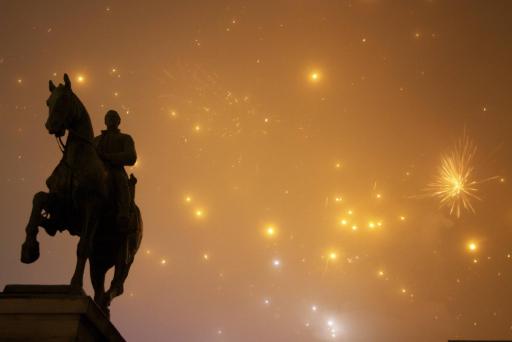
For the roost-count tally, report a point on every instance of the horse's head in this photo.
(60, 106)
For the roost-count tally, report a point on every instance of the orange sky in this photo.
(224, 107)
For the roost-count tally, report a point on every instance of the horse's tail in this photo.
(134, 238)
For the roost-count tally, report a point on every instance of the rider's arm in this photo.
(127, 157)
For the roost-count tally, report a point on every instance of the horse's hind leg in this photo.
(87, 231)
(98, 271)
(30, 248)
(122, 268)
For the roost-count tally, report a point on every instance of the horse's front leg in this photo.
(30, 248)
(87, 230)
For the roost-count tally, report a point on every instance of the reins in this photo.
(62, 145)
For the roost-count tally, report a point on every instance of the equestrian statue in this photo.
(90, 195)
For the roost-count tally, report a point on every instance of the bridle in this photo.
(62, 145)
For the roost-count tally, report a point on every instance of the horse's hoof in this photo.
(106, 311)
(29, 251)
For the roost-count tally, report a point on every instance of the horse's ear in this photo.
(51, 86)
(67, 81)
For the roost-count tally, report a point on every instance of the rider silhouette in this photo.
(117, 150)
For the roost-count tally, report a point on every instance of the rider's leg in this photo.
(123, 198)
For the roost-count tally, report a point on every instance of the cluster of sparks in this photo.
(455, 185)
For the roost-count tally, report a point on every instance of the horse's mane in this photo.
(81, 115)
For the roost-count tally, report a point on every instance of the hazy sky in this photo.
(285, 149)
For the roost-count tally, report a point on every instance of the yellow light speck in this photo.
(472, 246)
(314, 76)
(270, 231)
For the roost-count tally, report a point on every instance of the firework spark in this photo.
(455, 185)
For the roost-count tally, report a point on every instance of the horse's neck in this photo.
(81, 126)
(79, 144)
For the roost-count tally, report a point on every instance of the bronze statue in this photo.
(90, 195)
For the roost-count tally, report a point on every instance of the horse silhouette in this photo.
(80, 201)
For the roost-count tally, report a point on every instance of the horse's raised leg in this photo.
(30, 248)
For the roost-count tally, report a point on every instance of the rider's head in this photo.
(112, 119)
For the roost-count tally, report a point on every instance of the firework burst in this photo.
(455, 185)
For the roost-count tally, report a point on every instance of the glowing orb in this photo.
(314, 76)
(472, 246)
(270, 231)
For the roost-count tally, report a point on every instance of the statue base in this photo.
(52, 313)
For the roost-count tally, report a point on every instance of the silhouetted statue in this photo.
(88, 196)
(117, 150)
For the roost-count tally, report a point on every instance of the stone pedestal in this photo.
(52, 313)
